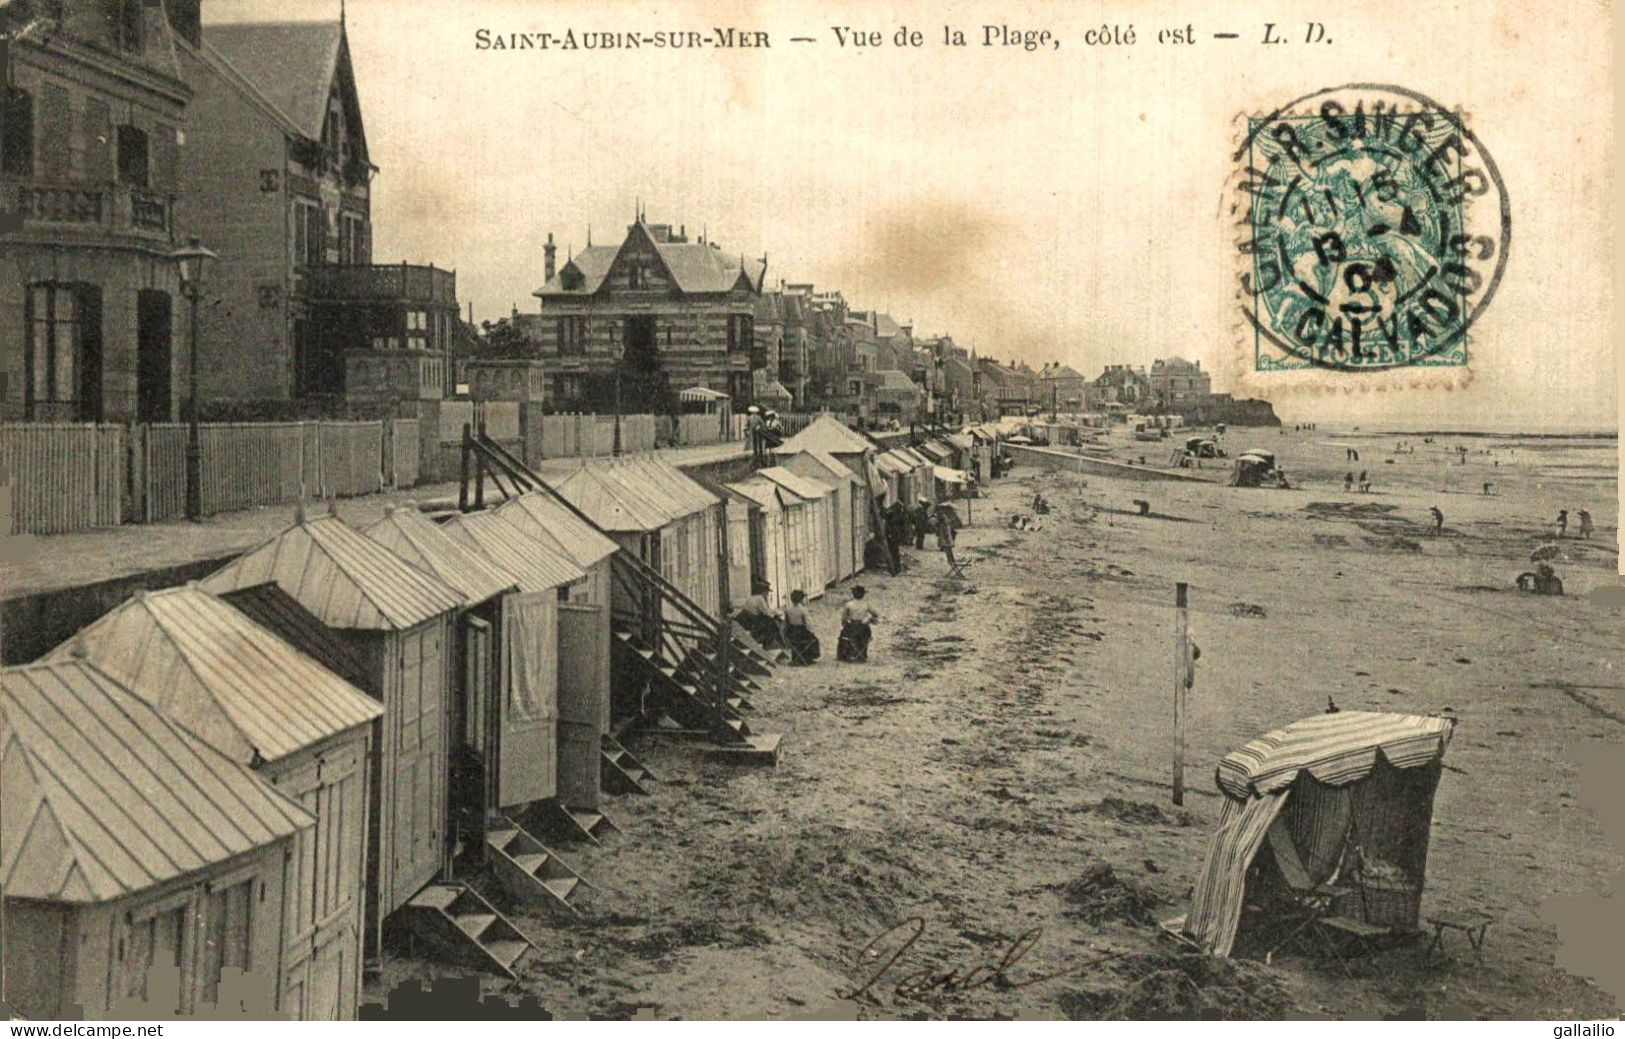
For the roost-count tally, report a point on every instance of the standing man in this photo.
(922, 522)
(753, 433)
(894, 518)
(1562, 522)
(947, 532)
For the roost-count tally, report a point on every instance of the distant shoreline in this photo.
(1594, 435)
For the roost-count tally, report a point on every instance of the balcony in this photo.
(371, 282)
(394, 375)
(91, 207)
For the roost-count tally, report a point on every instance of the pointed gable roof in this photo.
(105, 797)
(292, 65)
(342, 576)
(574, 536)
(827, 433)
(538, 565)
(694, 267)
(422, 542)
(210, 669)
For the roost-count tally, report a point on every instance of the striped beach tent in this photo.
(1347, 793)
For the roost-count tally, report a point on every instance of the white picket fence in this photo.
(63, 476)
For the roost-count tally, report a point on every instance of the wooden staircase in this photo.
(464, 928)
(620, 772)
(700, 671)
(560, 822)
(529, 871)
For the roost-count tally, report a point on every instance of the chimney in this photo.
(550, 253)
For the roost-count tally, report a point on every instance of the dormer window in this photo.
(571, 278)
(125, 22)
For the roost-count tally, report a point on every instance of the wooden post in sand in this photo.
(1181, 673)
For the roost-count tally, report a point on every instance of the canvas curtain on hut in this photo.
(1348, 794)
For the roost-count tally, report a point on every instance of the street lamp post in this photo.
(191, 258)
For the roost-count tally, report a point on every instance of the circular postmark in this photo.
(1376, 231)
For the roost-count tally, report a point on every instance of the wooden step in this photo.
(461, 927)
(529, 870)
(760, 748)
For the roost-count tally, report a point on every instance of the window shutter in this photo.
(165, 154)
(53, 132)
(98, 130)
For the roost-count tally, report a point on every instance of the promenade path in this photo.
(33, 565)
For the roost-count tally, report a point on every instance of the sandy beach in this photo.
(996, 779)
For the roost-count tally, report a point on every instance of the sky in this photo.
(1046, 205)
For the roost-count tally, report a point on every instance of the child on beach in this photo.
(1585, 524)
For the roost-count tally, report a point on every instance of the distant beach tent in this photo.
(1343, 799)
(701, 395)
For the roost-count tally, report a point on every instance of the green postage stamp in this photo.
(1376, 231)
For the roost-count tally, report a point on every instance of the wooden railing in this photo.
(90, 205)
(378, 281)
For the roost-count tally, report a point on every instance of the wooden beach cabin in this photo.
(144, 872)
(768, 533)
(252, 696)
(584, 646)
(820, 527)
(496, 754)
(399, 621)
(548, 775)
(851, 506)
(673, 533)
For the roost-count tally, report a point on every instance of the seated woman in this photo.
(798, 635)
(758, 618)
(856, 618)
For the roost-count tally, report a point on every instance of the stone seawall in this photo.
(1049, 458)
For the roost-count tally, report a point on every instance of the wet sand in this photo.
(1000, 769)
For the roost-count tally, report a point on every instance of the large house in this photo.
(278, 183)
(1177, 383)
(1124, 386)
(1061, 388)
(90, 129)
(682, 310)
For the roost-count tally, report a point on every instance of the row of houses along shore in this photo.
(153, 165)
(363, 740)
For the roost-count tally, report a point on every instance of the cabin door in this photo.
(583, 690)
(418, 816)
(527, 768)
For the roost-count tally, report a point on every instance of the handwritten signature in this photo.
(940, 978)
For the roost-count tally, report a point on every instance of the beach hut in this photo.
(896, 473)
(399, 621)
(819, 532)
(826, 433)
(254, 698)
(851, 505)
(1325, 823)
(648, 511)
(475, 715)
(143, 871)
(584, 648)
(528, 670)
(769, 538)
